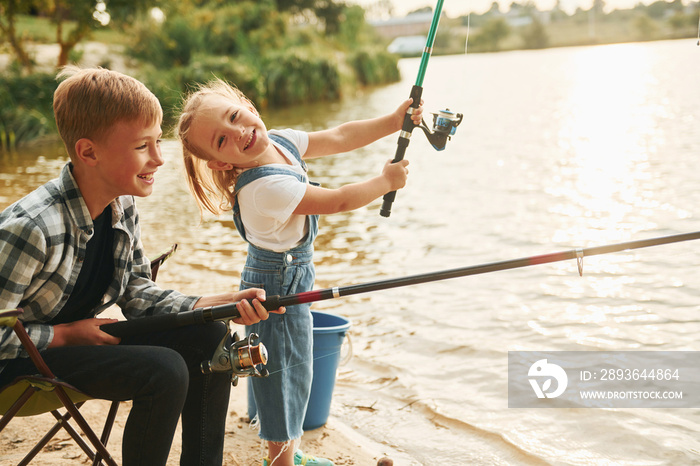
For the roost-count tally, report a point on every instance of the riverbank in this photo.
(335, 440)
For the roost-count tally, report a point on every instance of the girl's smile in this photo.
(231, 134)
(251, 140)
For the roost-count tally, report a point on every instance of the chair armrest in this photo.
(8, 317)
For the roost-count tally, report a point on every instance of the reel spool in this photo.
(242, 358)
(445, 124)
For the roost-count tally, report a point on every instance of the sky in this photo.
(454, 8)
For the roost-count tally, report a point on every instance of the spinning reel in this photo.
(445, 124)
(241, 358)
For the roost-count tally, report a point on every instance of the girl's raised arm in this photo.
(355, 134)
(322, 201)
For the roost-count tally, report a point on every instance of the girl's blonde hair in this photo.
(213, 189)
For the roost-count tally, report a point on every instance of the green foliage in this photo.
(490, 36)
(657, 9)
(535, 36)
(26, 108)
(374, 66)
(353, 28)
(241, 28)
(300, 75)
(274, 59)
(244, 75)
(644, 27)
(172, 43)
(246, 27)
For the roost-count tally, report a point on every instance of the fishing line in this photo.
(466, 41)
(303, 363)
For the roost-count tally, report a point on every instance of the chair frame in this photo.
(63, 391)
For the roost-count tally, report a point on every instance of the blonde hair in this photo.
(89, 101)
(213, 189)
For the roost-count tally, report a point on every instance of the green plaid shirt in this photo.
(42, 243)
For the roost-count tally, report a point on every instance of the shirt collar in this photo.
(76, 203)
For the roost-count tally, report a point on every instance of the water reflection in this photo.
(607, 134)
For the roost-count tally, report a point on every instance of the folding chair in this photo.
(38, 394)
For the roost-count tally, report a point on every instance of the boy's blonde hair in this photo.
(89, 101)
(213, 189)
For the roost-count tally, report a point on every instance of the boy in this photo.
(72, 248)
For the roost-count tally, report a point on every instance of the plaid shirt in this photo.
(42, 244)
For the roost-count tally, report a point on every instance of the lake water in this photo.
(559, 149)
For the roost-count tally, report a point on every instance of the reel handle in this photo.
(404, 139)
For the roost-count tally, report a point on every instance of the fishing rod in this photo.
(445, 122)
(226, 312)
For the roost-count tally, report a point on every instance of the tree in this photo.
(75, 20)
(535, 36)
(330, 13)
(296, 6)
(9, 9)
(645, 27)
(491, 34)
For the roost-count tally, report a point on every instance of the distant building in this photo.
(518, 16)
(407, 45)
(414, 24)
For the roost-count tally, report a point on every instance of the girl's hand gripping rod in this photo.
(416, 94)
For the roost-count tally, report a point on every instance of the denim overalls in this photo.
(283, 396)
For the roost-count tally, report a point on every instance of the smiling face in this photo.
(230, 133)
(122, 162)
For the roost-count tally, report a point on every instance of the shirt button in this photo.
(290, 258)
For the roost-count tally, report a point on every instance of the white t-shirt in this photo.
(267, 204)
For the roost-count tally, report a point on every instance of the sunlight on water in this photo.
(607, 135)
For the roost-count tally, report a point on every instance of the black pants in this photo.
(161, 373)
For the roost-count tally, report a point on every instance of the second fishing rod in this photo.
(445, 122)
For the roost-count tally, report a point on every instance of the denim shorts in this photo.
(280, 399)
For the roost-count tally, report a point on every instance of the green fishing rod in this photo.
(229, 311)
(416, 95)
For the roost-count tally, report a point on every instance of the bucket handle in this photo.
(348, 356)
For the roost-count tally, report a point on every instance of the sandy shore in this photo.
(242, 448)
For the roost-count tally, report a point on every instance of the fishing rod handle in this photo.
(157, 323)
(230, 311)
(150, 324)
(404, 139)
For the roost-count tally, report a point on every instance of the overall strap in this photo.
(287, 144)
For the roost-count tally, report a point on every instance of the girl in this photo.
(233, 162)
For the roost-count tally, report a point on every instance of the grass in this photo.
(43, 31)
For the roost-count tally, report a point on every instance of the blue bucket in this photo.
(329, 331)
